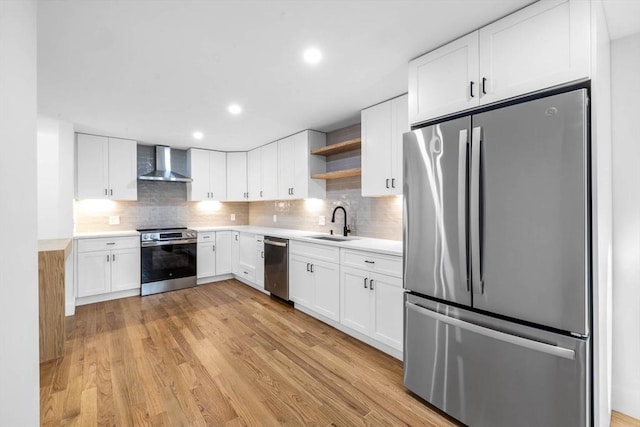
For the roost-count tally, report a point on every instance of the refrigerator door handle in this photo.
(476, 210)
(550, 349)
(463, 154)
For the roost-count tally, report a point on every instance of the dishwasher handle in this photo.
(274, 243)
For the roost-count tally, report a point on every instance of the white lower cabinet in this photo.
(259, 263)
(224, 252)
(106, 265)
(371, 303)
(247, 257)
(235, 252)
(206, 259)
(314, 278)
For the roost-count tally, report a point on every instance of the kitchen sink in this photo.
(334, 238)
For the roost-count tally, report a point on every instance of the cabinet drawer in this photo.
(247, 272)
(102, 243)
(259, 242)
(207, 237)
(378, 263)
(321, 252)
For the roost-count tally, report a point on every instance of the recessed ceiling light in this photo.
(235, 109)
(198, 135)
(312, 55)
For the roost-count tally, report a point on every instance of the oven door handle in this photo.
(168, 242)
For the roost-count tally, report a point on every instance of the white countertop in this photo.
(94, 234)
(389, 247)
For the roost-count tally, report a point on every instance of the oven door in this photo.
(168, 261)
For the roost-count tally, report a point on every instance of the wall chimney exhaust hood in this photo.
(163, 170)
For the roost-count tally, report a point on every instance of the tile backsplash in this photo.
(164, 204)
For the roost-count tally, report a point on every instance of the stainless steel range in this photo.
(168, 259)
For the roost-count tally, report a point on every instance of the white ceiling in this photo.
(155, 71)
(623, 17)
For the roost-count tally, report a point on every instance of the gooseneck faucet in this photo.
(345, 230)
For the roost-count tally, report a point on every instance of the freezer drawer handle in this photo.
(552, 350)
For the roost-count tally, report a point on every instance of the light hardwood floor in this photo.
(221, 354)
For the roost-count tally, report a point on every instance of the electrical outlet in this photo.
(275, 218)
(321, 220)
(233, 217)
(114, 220)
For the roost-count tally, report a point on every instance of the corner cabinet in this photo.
(296, 165)
(543, 45)
(382, 128)
(107, 265)
(262, 172)
(106, 168)
(208, 169)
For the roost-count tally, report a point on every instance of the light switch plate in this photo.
(275, 218)
(114, 220)
(233, 217)
(321, 220)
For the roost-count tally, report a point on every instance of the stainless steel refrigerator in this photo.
(497, 264)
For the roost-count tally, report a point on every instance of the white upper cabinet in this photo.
(106, 168)
(296, 165)
(544, 45)
(237, 177)
(541, 46)
(382, 129)
(445, 80)
(262, 165)
(208, 169)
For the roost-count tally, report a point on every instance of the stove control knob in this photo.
(145, 236)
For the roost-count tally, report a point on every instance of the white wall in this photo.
(625, 71)
(55, 178)
(19, 369)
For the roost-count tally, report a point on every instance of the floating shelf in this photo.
(338, 174)
(341, 147)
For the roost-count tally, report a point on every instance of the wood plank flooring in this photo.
(222, 354)
(219, 354)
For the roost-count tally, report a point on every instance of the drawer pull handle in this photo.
(111, 243)
(369, 262)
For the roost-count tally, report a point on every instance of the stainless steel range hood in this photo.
(163, 170)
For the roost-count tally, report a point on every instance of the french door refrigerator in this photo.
(497, 264)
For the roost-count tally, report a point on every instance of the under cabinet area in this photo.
(106, 168)
(314, 278)
(505, 59)
(107, 266)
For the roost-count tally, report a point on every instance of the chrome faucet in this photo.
(345, 230)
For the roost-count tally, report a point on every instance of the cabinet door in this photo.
(218, 175)
(125, 269)
(301, 286)
(286, 170)
(237, 177)
(445, 80)
(399, 125)
(235, 252)
(254, 174)
(123, 169)
(355, 296)
(260, 267)
(300, 163)
(92, 167)
(269, 160)
(206, 260)
(376, 150)
(387, 309)
(247, 251)
(540, 46)
(224, 252)
(198, 161)
(94, 273)
(326, 279)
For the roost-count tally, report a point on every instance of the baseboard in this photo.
(253, 285)
(213, 279)
(70, 308)
(107, 297)
(625, 400)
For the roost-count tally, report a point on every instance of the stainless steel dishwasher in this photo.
(276, 266)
